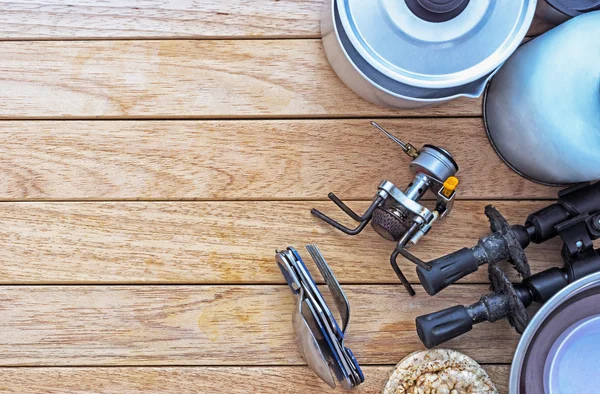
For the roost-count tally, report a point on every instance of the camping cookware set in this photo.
(542, 116)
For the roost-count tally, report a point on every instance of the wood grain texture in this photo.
(182, 79)
(59, 19)
(191, 380)
(85, 19)
(218, 242)
(216, 325)
(247, 160)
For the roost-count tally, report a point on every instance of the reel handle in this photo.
(439, 327)
(447, 270)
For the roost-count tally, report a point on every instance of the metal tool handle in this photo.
(339, 297)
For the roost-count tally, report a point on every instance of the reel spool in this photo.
(397, 215)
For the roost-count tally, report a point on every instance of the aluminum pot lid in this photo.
(436, 43)
(575, 7)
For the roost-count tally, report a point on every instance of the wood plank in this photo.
(216, 325)
(182, 79)
(250, 160)
(192, 380)
(217, 242)
(59, 19)
(87, 19)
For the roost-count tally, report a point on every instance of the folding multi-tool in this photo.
(317, 333)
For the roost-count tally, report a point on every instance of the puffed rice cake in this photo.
(439, 371)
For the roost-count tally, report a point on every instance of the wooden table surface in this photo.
(154, 155)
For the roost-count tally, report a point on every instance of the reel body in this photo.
(398, 215)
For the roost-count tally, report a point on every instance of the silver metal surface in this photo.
(573, 362)
(308, 345)
(418, 187)
(421, 214)
(339, 297)
(434, 163)
(542, 109)
(568, 325)
(319, 337)
(390, 57)
(411, 50)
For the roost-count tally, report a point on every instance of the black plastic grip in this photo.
(447, 270)
(439, 327)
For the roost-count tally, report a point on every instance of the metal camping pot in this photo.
(559, 11)
(559, 352)
(414, 53)
(542, 109)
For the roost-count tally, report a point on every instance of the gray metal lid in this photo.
(406, 47)
(575, 7)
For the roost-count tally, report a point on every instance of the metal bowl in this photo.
(559, 352)
(542, 109)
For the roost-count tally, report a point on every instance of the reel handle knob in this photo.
(447, 270)
(439, 327)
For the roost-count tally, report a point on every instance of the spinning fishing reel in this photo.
(398, 216)
(577, 228)
(574, 217)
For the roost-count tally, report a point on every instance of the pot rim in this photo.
(461, 78)
(336, 30)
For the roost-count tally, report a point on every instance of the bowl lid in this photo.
(435, 43)
(575, 7)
